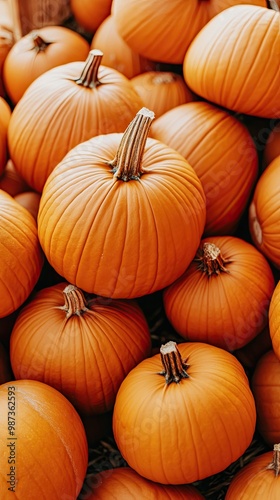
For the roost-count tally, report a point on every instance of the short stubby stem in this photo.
(75, 302)
(210, 259)
(174, 368)
(275, 464)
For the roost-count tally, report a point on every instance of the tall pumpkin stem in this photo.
(89, 76)
(274, 5)
(127, 163)
(75, 302)
(39, 44)
(174, 368)
(275, 464)
(210, 259)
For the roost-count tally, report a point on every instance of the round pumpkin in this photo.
(224, 295)
(124, 483)
(21, 255)
(264, 213)
(274, 320)
(228, 58)
(29, 200)
(63, 107)
(223, 154)
(122, 215)
(91, 345)
(184, 414)
(5, 115)
(7, 39)
(41, 456)
(89, 14)
(37, 52)
(11, 181)
(272, 146)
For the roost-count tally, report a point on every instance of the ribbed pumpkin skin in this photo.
(64, 114)
(221, 151)
(255, 482)
(274, 320)
(121, 239)
(226, 309)
(85, 357)
(5, 115)
(264, 213)
(229, 57)
(20, 254)
(167, 433)
(123, 483)
(51, 447)
(162, 31)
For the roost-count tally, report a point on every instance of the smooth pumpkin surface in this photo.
(11, 181)
(29, 200)
(166, 427)
(274, 320)
(90, 13)
(50, 459)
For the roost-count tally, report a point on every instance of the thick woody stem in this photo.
(174, 368)
(275, 464)
(75, 302)
(89, 76)
(127, 163)
(210, 259)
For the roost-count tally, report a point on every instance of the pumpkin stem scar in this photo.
(75, 302)
(39, 44)
(89, 75)
(173, 364)
(210, 259)
(275, 464)
(127, 163)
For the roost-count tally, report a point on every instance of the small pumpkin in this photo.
(122, 215)
(11, 181)
(159, 419)
(274, 320)
(29, 200)
(89, 14)
(44, 452)
(224, 295)
(38, 51)
(5, 115)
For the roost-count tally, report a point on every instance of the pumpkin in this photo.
(11, 181)
(21, 255)
(274, 320)
(264, 213)
(161, 90)
(37, 52)
(41, 456)
(89, 14)
(5, 366)
(221, 151)
(228, 58)
(30, 200)
(5, 115)
(124, 483)
(7, 37)
(91, 345)
(266, 390)
(258, 479)
(184, 414)
(223, 297)
(122, 215)
(63, 107)
(272, 146)
(162, 31)
(117, 54)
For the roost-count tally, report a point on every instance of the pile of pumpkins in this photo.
(141, 163)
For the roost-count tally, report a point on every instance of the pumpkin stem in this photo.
(127, 163)
(210, 259)
(174, 368)
(75, 302)
(275, 464)
(39, 44)
(273, 4)
(89, 76)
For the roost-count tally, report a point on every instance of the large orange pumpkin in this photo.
(228, 58)
(44, 452)
(274, 320)
(121, 216)
(184, 414)
(63, 107)
(89, 14)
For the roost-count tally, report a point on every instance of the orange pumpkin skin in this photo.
(29, 200)
(228, 308)
(5, 115)
(250, 30)
(162, 31)
(90, 347)
(272, 146)
(66, 112)
(124, 483)
(221, 151)
(37, 52)
(123, 229)
(20, 254)
(255, 480)
(90, 13)
(274, 320)
(264, 213)
(11, 182)
(51, 460)
(161, 429)
(266, 390)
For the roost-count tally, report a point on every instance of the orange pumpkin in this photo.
(274, 320)
(38, 51)
(228, 58)
(159, 419)
(103, 339)
(29, 200)
(223, 297)
(64, 107)
(44, 452)
(221, 151)
(123, 483)
(7, 37)
(89, 14)
(11, 181)
(121, 216)
(5, 115)
(21, 255)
